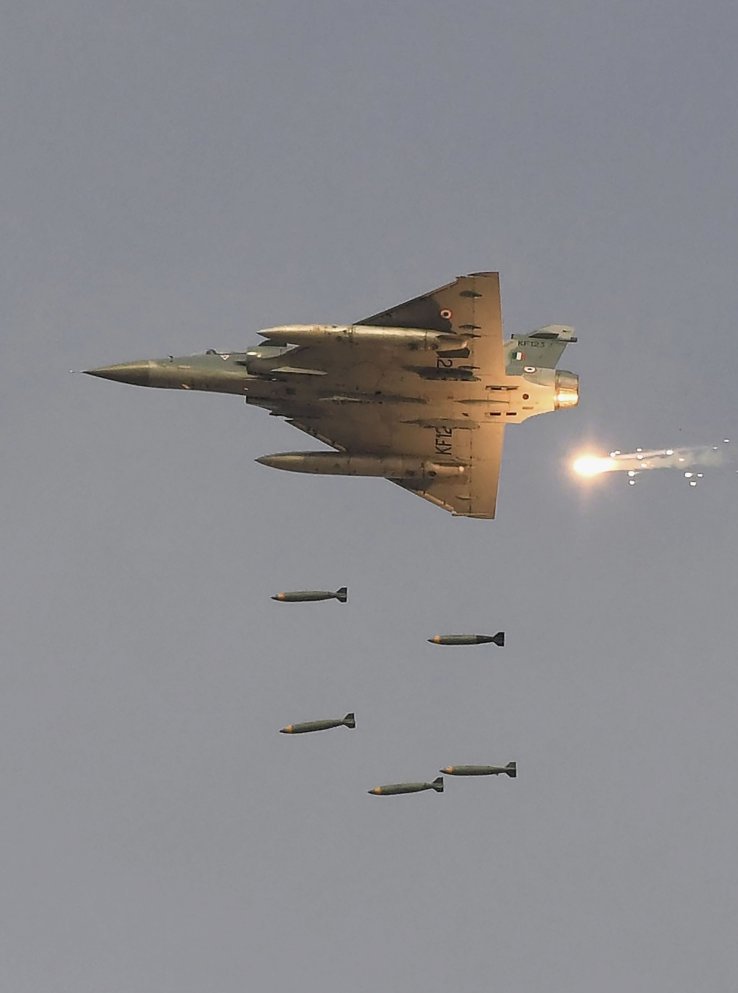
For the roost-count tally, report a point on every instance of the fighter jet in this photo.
(419, 394)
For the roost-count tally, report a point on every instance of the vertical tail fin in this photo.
(512, 769)
(350, 721)
(541, 348)
(437, 784)
(342, 594)
(499, 638)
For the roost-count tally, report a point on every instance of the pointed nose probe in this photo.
(135, 373)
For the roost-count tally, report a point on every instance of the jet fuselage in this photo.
(268, 375)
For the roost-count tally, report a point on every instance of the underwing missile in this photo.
(343, 464)
(303, 596)
(468, 639)
(349, 721)
(415, 339)
(392, 789)
(510, 770)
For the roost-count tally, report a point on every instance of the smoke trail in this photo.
(687, 459)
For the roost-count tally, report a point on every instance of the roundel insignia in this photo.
(529, 368)
(447, 314)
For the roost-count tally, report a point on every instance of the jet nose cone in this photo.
(136, 373)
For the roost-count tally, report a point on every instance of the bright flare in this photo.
(642, 460)
(592, 465)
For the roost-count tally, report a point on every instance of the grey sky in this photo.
(177, 175)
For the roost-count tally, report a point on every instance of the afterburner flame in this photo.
(592, 465)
